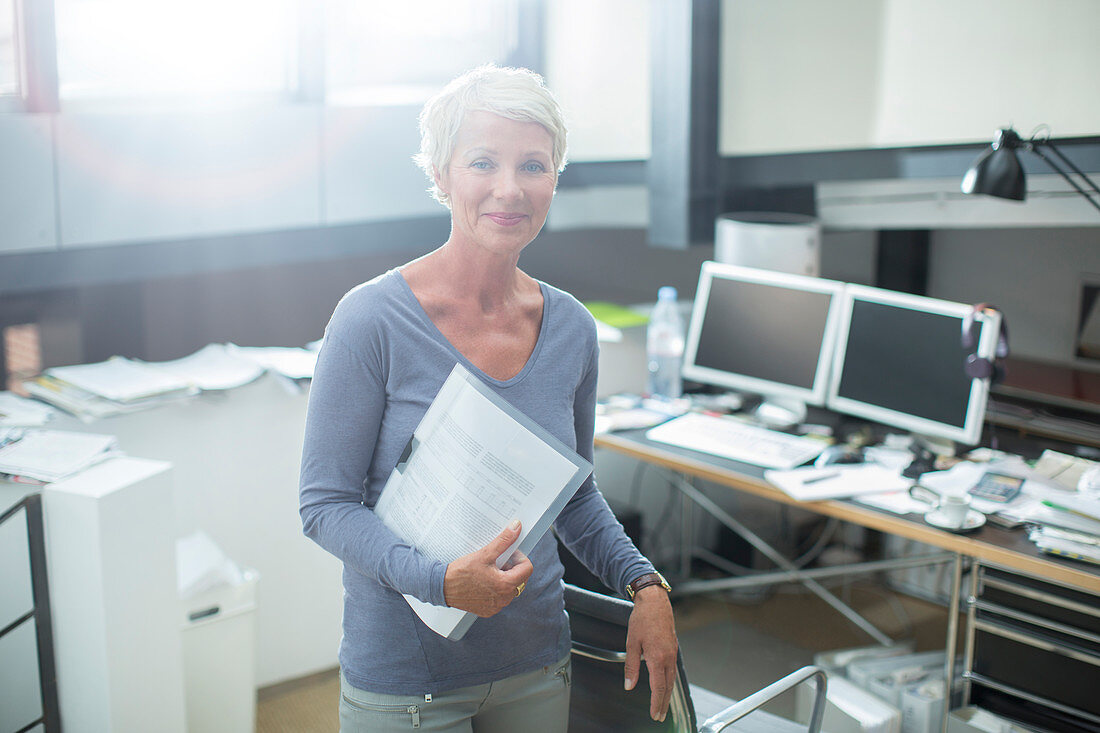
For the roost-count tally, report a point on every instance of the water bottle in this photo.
(665, 346)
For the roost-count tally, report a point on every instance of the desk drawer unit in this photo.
(1033, 651)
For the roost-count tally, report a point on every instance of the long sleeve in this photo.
(346, 405)
(587, 525)
(382, 363)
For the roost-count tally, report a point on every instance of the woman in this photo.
(493, 144)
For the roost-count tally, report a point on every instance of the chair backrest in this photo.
(599, 702)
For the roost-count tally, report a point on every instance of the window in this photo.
(405, 51)
(118, 49)
(9, 74)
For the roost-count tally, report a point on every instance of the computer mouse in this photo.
(838, 454)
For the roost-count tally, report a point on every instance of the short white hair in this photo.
(516, 94)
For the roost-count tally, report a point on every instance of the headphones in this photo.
(978, 367)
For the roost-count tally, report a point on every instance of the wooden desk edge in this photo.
(863, 516)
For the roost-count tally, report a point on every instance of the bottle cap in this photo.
(666, 293)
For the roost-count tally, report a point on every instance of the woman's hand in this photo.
(651, 635)
(475, 584)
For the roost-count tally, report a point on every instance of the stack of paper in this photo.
(121, 380)
(10, 435)
(837, 481)
(1046, 514)
(44, 456)
(849, 708)
(1068, 525)
(74, 400)
(1067, 543)
(213, 367)
(290, 362)
(1085, 506)
(1062, 468)
(16, 411)
(110, 387)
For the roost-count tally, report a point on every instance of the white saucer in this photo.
(974, 519)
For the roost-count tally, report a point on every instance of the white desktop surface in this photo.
(235, 456)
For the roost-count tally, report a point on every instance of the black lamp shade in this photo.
(997, 172)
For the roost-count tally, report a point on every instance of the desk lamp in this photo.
(997, 171)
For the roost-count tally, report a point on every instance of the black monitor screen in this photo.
(763, 331)
(908, 361)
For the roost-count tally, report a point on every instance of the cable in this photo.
(635, 483)
(828, 530)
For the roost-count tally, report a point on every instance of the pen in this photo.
(1069, 510)
(822, 477)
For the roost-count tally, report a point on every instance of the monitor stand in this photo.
(780, 412)
(938, 446)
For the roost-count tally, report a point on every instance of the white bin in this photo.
(770, 241)
(219, 657)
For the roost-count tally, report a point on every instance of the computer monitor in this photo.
(900, 360)
(763, 332)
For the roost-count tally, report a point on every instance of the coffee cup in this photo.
(954, 508)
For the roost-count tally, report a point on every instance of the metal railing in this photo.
(50, 719)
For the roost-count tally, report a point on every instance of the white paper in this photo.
(1067, 548)
(958, 479)
(16, 411)
(607, 334)
(1085, 504)
(212, 367)
(202, 566)
(476, 464)
(1042, 514)
(1062, 468)
(836, 481)
(87, 406)
(291, 362)
(119, 379)
(50, 455)
(893, 458)
(898, 502)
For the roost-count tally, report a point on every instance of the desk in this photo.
(235, 458)
(1006, 548)
(991, 545)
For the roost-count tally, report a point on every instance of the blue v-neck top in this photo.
(381, 363)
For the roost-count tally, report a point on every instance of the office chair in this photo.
(600, 705)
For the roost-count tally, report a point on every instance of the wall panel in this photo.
(140, 177)
(28, 208)
(369, 173)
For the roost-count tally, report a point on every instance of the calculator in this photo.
(997, 487)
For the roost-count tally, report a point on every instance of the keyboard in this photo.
(726, 438)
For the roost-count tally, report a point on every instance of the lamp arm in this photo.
(1036, 147)
(1068, 162)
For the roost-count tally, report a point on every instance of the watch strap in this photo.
(644, 581)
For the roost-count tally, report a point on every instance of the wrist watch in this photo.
(644, 581)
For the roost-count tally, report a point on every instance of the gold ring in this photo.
(520, 587)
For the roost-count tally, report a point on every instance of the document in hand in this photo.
(473, 465)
